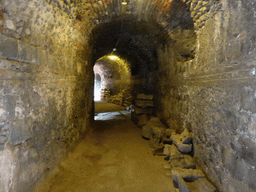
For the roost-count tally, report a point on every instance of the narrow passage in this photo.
(112, 157)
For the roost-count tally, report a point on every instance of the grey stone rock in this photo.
(187, 140)
(8, 47)
(1, 147)
(186, 137)
(182, 185)
(177, 140)
(10, 25)
(19, 132)
(3, 139)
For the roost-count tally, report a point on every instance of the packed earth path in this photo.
(112, 157)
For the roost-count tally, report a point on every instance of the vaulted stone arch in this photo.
(198, 55)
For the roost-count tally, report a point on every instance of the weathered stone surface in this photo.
(19, 132)
(143, 120)
(177, 140)
(145, 97)
(183, 161)
(10, 25)
(8, 47)
(171, 150)
(154, 127)
(144, 103)
(182, 185)
(146, 131)
(139, 111)
(154, 141)
(186, 137)
(189, 174)
(169, 132)
(172, 124)
(201, 185)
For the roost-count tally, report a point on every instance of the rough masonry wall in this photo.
(45, 88)
(214, 95)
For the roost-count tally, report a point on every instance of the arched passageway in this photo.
(195, 57)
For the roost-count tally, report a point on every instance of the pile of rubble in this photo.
(178, 149)
(123, 98)
(143, 109)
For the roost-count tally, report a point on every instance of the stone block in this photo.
(201, 185)
(177, 161)
(146, 131)
(186, 137)
(19, 131)
(167, 150)
(182, 185)
(157, 132)
(171, 150)
(8, 47)
(187, 174)
(27, 52)
(145, 97)
(183, 161)
(143, 120)
(139, 111)
(177, 140)
(144, 103)
(154, 127)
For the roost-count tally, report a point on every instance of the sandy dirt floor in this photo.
(112, 157)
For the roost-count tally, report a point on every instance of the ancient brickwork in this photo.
(214, 94)
(46, 88)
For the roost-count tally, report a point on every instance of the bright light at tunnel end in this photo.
(113, 57)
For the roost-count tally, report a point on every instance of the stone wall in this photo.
(46, 89)
(214, 94)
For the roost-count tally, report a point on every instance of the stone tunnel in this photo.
(197, 57)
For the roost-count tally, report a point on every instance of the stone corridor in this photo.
(196, 58)
(113, 157)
